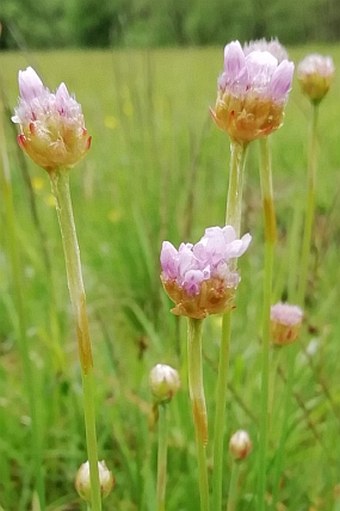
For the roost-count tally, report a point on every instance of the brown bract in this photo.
(284, 334)
(214, 298)
(51, 151)
(246, 119)
(315, 86)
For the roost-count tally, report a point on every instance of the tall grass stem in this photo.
(61, 191)
(18, 286)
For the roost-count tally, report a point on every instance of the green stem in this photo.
(233, 486)
(233, 217)
(238, 153)
(61, 190)
(270, 239)
(196, 390)
(17, 280)
(286, 404)
(310, 205)
(220, 412)
(162, 456)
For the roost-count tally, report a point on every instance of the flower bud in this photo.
(240, 445)
(315, 74)
(52, 126)
(83, 482)
(164, 382)
(286, 322)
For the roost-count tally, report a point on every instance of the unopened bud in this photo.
(83, 482)
(315, 74)
(240, 445)
(286, 322)
(164, 382)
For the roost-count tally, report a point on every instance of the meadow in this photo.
(158, 170)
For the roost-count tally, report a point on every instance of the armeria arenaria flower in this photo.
(315, 74)
(198, 278)
(286, 322)
(52, 127)
(252, 92)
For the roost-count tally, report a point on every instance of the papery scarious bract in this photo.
(198, 278)
(286, 322)
(315, 74)
(52, 127)
(252, 92)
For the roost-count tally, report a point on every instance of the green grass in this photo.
(157, 170)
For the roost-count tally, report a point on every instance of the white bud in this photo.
(240, 445)
(164, 382)
(83, 482)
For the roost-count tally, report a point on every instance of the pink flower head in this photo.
(52, 125)
(199, 278)
(315, 74)
(286, 321)
(252, 92)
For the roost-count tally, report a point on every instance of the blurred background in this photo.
(146, 23)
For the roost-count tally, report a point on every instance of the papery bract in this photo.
(52, 127)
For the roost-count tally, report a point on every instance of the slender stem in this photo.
(162, 456)
(275, 359)
(17, 281)
(220, 412)
(233, 217)
(310, 205)
(61, 191)
(233, 486)
(196, 390)
(270, 239)
(238, 153)
(286, 405)
(300, 296)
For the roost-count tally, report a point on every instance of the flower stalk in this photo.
(233, 493)
(270, 240)
(199, 412)
(233, 218)
(310, 206)
(61, 191)
(162, 455)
